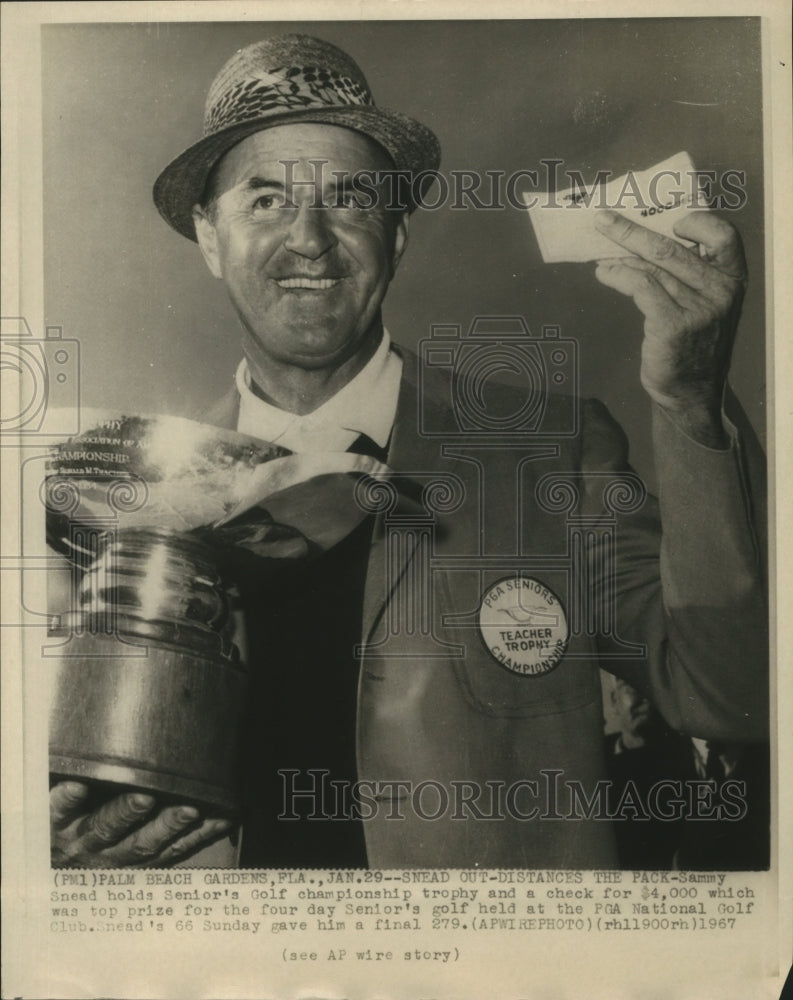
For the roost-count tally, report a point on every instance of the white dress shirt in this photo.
(365, 405)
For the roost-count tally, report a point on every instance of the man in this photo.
(742, 841)
(637, 720)
(500, 694)
(642, 757)
(650, 767)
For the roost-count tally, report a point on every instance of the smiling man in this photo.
(305, 267)
(460, 703)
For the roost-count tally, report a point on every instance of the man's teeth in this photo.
(314, 283)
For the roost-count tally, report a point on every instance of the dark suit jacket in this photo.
(679, 611)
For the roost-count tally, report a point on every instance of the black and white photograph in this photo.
(387, 439)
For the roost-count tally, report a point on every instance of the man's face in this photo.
(634, 712)
(306, 281)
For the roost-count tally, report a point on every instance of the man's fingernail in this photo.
(221, 825)
(187, 813)
(76, 790)
(605, 217)
(141, 802)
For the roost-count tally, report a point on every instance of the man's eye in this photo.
(268, 201)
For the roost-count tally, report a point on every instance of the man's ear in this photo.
(400, 241)
(207, 239)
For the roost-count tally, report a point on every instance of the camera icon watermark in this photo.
(471, 371)
(40, 382)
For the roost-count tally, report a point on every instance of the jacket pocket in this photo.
(522, 669)
(495, 690)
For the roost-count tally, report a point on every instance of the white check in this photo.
(657, 198)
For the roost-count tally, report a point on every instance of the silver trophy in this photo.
(153, 514)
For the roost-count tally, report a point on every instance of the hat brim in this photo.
(412, 147)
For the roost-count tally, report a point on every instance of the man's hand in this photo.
(127, 831)
(691, 304)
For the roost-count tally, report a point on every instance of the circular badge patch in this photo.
(523, 625)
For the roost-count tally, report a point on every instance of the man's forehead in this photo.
(271, 154)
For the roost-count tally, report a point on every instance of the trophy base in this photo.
(149, 717)
(141, 779)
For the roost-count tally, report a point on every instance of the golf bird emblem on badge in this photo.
(523, 625)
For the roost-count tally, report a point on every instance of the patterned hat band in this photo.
(292, 88)
(283, 80)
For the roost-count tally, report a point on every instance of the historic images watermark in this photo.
(41, 377)
(310, 795)
(498, 190)
(40, 406)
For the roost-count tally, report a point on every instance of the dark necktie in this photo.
(364, 445)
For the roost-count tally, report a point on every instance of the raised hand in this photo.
(691, 302)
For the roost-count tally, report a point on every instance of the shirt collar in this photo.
(365, 405)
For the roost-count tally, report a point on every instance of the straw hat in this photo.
(279, 81)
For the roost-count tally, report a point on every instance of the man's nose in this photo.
(310, 233)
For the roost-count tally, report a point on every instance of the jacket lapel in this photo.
(411, 453)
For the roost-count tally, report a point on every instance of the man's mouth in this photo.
(311, 284)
